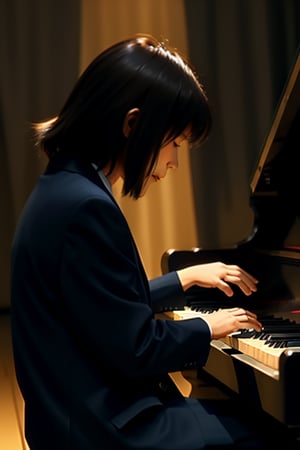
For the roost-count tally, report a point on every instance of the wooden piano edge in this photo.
(271, 364)
(275, 391)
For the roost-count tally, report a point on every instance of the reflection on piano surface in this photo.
(263, 368)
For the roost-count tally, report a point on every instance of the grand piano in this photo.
(262, 368)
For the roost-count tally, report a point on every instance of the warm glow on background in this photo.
(164, 218)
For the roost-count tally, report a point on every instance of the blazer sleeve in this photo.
(107, 302)
(166, 293)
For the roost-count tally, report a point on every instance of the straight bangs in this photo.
(190, 114)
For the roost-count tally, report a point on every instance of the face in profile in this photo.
(167, 159)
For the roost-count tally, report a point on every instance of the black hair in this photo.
(142, 73)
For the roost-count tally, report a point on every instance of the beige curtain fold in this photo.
(242, 59)
(164, 218)
(39, 63)
(246, 49)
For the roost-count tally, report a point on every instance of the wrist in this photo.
(186, 277)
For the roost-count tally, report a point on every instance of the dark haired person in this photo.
(91, 357)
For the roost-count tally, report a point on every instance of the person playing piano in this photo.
(92, 358)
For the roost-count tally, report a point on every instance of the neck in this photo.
(115, 175)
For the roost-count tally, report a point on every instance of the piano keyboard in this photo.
(278, 336)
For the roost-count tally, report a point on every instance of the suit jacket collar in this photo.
(84, 168)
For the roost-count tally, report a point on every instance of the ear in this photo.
(129, 121)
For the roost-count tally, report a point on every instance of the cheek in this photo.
(165, 155)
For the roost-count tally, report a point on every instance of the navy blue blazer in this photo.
(91, 360)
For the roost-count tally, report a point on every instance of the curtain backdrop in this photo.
(245, 50)
(39, 42)
(242, 49)
(165, 217)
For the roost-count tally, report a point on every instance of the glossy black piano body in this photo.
(272, 254)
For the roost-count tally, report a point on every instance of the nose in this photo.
(173, 162)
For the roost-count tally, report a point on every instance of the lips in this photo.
(155, 177)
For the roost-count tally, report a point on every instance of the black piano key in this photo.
(283, 328)
(282, 336)
(293, 343)
(272, 321)
(281, 340)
